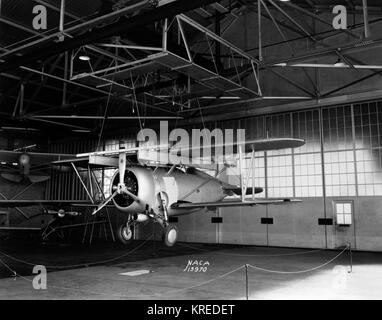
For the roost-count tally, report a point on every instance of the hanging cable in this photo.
(136, 101)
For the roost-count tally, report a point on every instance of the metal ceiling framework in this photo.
(162, 64)
(169, 59)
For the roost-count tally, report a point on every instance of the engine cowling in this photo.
(140, 182)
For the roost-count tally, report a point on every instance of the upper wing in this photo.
(220, 152)
(231, 203)
(249, 145)
(29, 203)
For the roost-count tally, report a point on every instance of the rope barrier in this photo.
(302, 271)
(85, 264)
(253, 255)
(59, 287)
(125, 296)
(187, 288)
(9, 268)
(212, 280)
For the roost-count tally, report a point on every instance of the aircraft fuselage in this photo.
(148, 183)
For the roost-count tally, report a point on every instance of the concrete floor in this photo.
(167, 279)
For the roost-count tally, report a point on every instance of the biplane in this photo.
(146, 189)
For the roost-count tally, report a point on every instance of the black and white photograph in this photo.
(195, 156)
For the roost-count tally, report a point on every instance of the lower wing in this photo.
(232, 203)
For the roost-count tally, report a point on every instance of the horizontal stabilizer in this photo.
(237, 190)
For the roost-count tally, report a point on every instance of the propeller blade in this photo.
(37, 179)
(102, 205)
(12, 177)
(132, 195)
(122, 167)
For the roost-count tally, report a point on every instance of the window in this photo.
(340, 174)
(307, 159)
(344, 212)
(368, 126)
(308, 175)
(279, 162)
(280, 176)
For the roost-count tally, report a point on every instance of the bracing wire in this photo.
(105, 115)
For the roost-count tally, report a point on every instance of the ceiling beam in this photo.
(96, 34)
(318, 18)
(317, 54)
(83, 27)
(281, 23)
(252, 111)
(309, 2)
(291, 19)
(91, 117)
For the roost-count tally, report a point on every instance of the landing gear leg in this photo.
(170, 232)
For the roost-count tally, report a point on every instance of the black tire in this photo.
(170, 235)
(125, 234)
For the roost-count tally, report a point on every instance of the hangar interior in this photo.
(104, 69)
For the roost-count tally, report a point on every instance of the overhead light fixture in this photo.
(330, 65)
(19, 129)
(221, 98)
(84, 58)
(339, 63)
(81, 131)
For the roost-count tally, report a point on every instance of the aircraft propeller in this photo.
(121, 187)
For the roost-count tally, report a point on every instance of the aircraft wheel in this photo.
(125, 234)
(170, 235)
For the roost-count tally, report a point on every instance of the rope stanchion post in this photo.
(246, 282)
(350, 258)
(154, 236)
(14, 273)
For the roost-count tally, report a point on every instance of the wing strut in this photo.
(83, 183)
